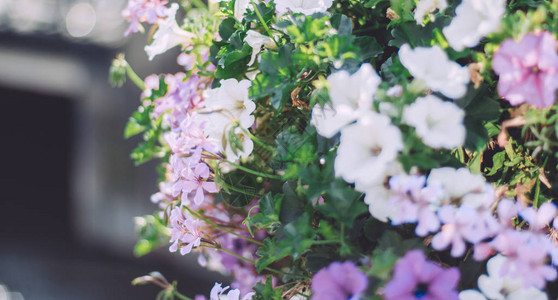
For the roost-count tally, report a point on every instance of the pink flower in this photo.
(138, 11)
(416, 278)
(184, 231)
(413, 202)
(460, 225)
(539, 219)
(196, 178)
(528, 69)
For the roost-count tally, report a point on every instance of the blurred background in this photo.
(69, 191)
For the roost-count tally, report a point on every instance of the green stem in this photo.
(199, 4)
(180, 296)
(257, 11)
(230, 187)
(247, 170)
(324, 242)
(257, 141)
(134, 77)
(206, 220)
(253, 262)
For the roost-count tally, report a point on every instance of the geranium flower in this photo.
(218, 293)
(415, 278)
(539, 219)
(339, 281)
(438, 123)
(138, 11)
(195, 178)
(528, 70)
(425, 7)
(432, 66)
(351, 96)
(168, 35)
(184, 230)
(303, 6)
(473, 20)
(366, 150)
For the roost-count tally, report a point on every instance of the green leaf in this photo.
(269, 253)
(342, 203)
(267, 291)
(226, 28)
(497, 162)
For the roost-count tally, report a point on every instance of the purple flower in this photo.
(339, 281)
(184, 232)
(138, 11)
(528, 69)
(416, 278)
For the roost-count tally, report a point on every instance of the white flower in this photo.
(438, 123)
(351, 96)
(377, 197)
(473, 20)
(425, 7)
(366, 150)
(496, 287)
(231, 109)
(256, 40)
(460, 183)
(218, 293)
(168, 35)
(433, 67)
(306, 7)
(240, 7)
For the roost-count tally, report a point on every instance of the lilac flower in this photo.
(416, 278)
(414, 202)
(196, 178)
(190, 136)
(460, 225)
(339, 281)
(184, 231)
(539, 219)
(138, 11)
(218, 293)
(528, 70)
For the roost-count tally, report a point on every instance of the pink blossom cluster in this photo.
(468, 218)
(139, 11)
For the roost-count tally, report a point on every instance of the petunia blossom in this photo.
(438, 123)
(339, 281)
(474, 19)
(306, 7)
(415, 278)
(351, 96)
(425, 7)
(168, 35)
(432, 67)
(366, 150)
(256, 40)
(528, 70)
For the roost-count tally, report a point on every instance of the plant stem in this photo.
(253, 262)
(199, 4)
(203, 218)
(180, 296)
(257, 11)
(247, 170)
(230, 187)
(134, 77)
(257, 141)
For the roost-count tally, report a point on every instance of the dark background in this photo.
(68, 190)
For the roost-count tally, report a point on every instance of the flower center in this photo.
(376, 150)
(535, 70)
(421, 290)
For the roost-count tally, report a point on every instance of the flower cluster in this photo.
(354, 149)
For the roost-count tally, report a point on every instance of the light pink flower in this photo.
(528, 69)
(138, 11)
(539, 219)
(184, 231)
(196, 178)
